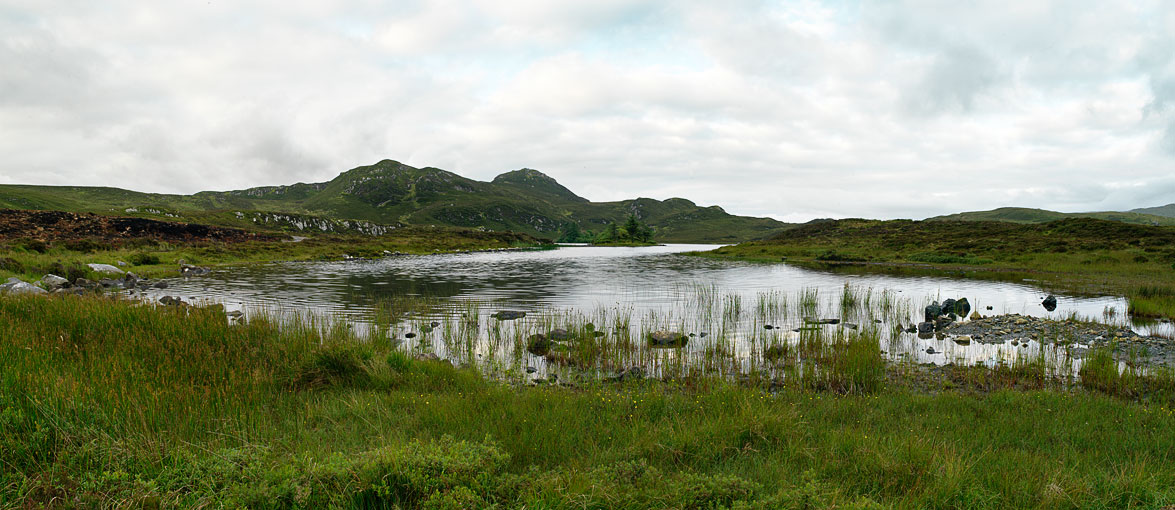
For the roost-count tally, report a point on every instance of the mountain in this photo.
(1026, 215)
(1163, 210)
(390, 193)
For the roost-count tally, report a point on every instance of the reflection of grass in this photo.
(1077, 254)
(107, 403)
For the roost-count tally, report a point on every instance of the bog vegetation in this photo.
(109, 403)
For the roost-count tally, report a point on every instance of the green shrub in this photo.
(333, 364)
(85, 246)
(144, 259)
(36, 245)
(11, 265)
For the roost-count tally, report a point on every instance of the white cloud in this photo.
(904, 108)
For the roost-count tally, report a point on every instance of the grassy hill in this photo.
(393, 193)
(1027, 215)
(1163, 210)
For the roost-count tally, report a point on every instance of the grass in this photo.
(31, 259)
(1080, 255)
(108, 403)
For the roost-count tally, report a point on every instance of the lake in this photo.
(641, 288)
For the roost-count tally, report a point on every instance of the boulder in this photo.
(105, 269)
(189, 270)
(538, 344)
(84, 283)
(665, 338)
(508, 315)
(53, 282)
(963, 340)
(1049, 303)
(171, 301)
(932, 311)
(962, 307)
(976, 317)
(18, 287)
(160, 285)
(948, 306)
(926, 327)
(559, 334)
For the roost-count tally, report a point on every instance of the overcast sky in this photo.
(795, 110)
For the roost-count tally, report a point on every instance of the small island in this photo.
(632, 233)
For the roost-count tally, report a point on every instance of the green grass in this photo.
(111, 404)
(147, 257)
(1079, 255)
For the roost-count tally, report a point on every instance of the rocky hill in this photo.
(390, 193)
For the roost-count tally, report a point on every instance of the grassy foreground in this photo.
(110, 404)
(31, 259)
(1076, 255)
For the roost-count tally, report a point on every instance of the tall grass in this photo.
(112, 404)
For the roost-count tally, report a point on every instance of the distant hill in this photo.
(392, 193)
(1027, 215)
(1163, 210)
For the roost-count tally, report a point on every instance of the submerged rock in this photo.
(559, 334)
(775, 352)
(538, 344)
(508, 315)
(667, 339)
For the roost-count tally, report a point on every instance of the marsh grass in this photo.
(108, 403)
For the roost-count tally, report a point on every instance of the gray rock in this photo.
(559, 334)
(926, 327)
(53, 282)
(160, 285)
(171, 301)
(18, 287)
(105, 269)
(84, 283)
(1049, 303)
(189, 270)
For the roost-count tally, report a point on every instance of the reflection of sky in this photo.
(587, 277)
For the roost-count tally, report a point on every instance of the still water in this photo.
(646, 281)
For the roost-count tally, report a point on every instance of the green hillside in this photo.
(1027, 215)
(393, 193)
(1163, 210)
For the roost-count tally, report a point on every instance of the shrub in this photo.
(11, 265)
(333, 364)
(36, 245)
(144, 259)
(85, 246)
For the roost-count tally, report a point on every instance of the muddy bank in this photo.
(51, 226)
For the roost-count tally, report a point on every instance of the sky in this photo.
(793, 110)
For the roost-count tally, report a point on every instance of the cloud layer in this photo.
(796, 110)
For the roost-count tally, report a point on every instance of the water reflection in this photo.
(656, 280)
